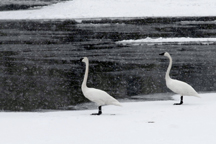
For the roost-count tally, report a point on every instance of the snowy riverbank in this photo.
(136, 122)
(78, 9)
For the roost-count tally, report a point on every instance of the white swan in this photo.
(177, 86)
(100, 97)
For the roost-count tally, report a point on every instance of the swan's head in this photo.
(165, 54)
(84, 59)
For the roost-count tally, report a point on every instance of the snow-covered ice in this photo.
(158, 122)
(78, 9)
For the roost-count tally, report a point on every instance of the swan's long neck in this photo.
(169, 68)
(85, 76)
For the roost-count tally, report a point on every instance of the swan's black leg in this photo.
(99, 111)
(181, 101)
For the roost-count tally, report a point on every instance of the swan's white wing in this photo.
(100, 97)
(181, 88)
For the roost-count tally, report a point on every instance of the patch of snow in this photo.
(161, 40)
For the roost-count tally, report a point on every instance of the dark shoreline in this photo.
(14, 7)
(25, 5)
(130, 20)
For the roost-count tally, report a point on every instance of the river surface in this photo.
(40, 67)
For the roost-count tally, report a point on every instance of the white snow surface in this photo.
(178, 40)
(157, 122)
(78, 9)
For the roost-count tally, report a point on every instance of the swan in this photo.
(177, 86)
(98, 96)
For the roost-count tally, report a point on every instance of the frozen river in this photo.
(40, 68)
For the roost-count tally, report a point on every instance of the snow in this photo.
(79, 9)
(180, 40)
(155, 122)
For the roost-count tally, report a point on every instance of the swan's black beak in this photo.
(161, 54)
(81, 59)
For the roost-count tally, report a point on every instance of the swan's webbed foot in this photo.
(178, 103)
(99, 111)
(181, 102)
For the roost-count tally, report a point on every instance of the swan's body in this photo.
(98, 96)
(181, 87)
(177, 86)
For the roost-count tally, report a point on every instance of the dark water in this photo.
(40, 68)
(23, 4)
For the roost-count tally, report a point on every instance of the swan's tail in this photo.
(116, 103)
(197, 96)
